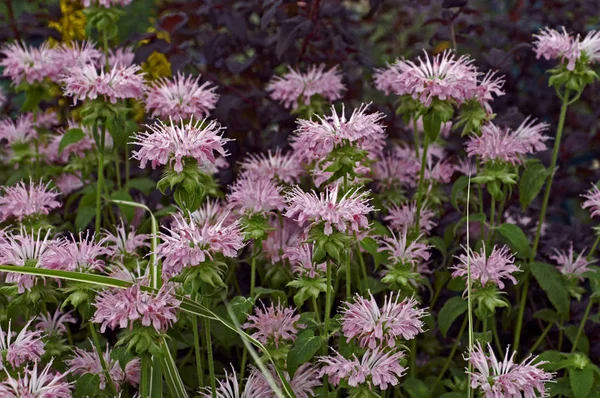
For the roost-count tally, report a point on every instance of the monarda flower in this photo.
(295, 87)
(80, 255)
(54, 324)
(300, 257)
(27, 64)
(552, 44)
(393, 171)
(106, 3)
(570, 265)
(34, 384)
(67, 183)
(276, 166)
(88, 362)
(506, 378)
(182, 97)
(375, 368)
(592, 202)
(402, 252)
(375, 327)
(20, 131)
(123, 307)
(125, 242)
(69, 55)
(77, 149)
(121, 56)
(346, 213)
(24, 201)
(275, 324)
(256, 195)
(387, 79)
(404, 217)
(493, 269)
(174, 143)
(255, 386)
(20, 348)
(283, 236)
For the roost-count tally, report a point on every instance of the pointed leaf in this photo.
(451, 310)
(305, 347)
(551, 281)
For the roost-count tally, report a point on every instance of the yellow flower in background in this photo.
(156, 66)
(71, 24)
(160, 34)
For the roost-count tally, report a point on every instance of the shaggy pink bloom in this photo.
(2, 98)
(506, 378)
(54, 324)
(402, 252)
(376, 368)
(346, 213)
(404, 217)
(33, 65)
(375, 327)
(592, 201)
(85, 82)
(300, 257)
(168, 144)
(590, 45)
(256, 386)
(284, 167)
(499, 265)
(551, 44)
(387, 80)
(20, 348)
(440, 171)
(571, 266)
(77, 149)
(67, 183)
(393, 171)
(486, 88)
(465, 167)
(69, 55)
(256, 195)
(530, 135)
(182, 97)
(125, 242)
(305, 380)
(211, 212)
(82, 255)
(105, 3)
(121, 56)
(122, 307)
(21, 130)
(496, 144)
(295, 87)
(36, 384)
(84, 362)
(133, 372)
(274, 324)
(280, 238)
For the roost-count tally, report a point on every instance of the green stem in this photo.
(199, 368)
(540, 339)
(117, 169)
(348, 275)
(209, 352)
(582, 324)
(469, 295)
(316, 308)
(492, 221)
(594, 247)
(145, 377)
(452, 353)
(127, 165)
(99, 183)
(416, 135)
(363, 266)
(413, 358)
(328, 300)
(524, 294)
(495, 334)
(96, 342)
(258, 244)
(560, 333)
(420, 188)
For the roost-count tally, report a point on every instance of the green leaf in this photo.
(84, 217)
(582, 381)
(305, 347)
(459, 186)
(517, 240)
(71, 136)
(416, 388)
(453, 394)
(551, 281)
(87, 385)
(144, 185)
(531, 182)
(172, 376)
(583, 344)
(451, 310)
(547, 315)
(432, 124)
(276, 295)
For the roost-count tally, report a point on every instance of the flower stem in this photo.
(96, 342)
(328, 300)
(363, 267)
(524, 293)
(594, 247)
(99, 183)
(348, 274)
(495, 334)
(540, 339)
(452, 352)
(416, 137)
(209, 352)
(420, 188)
(582, 324)
(258, 243)
(316, 308)
(413, 358)
(199, 368)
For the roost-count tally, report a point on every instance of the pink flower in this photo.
(54, 324)
(570, 266)
(300, 257)
(21, 201)
(256, 195)
(295, 87)
(530, 135)
(125, 242)
(283, 236)
(84, 362)
(404, 217)
(375, 327)
(284, 167)
(211, 212)
(486, 88)
(551, 44)
(499, 265)
(27, 64)
(376, 368)
(592, 201)
(123, 307)
(23, 130)
(506, 378)
(168, 144)
(77, 149)
(67, 183)
(402, 252)
(81, 255)
(36, 385)
(393, 171)
(305, 380)
(106, 3)
(121, 56)
(274, 324)
(25, 347)
(346, 213)
(84, 82)
(256, 386)
(74, 54)
(183, 97)
(440, 171)
(387, 80)
(133, 372)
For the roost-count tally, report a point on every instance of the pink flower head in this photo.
(295, 87)
(387, 80)
(274, 324)
(486, 88)
(300, 257)
(346, 213)
(402, 252)
(284, 167)
(67, 183)
(168, 144)
(442, 76)
(283, 236)
(121, 56)
(36, 384)
(530, 135)
(77, 149)
(376, 368)
(506, 378)
(21, 348)
(82, 255)
(125, 242)
(376, 327)
(256, 386)
(183, 97)
(84, 362)
(133, 372)
(123, 307)
(592, 201)
(440, 171)
(26, 64)
(19, 131)
(54, 324)
(211, 212)
(395, 171)
(69, 55)
(256, 195)
(404, 217)
(499, 265)
(22, 201)
(571, 266)
(552, 44)
(83, 82)
(106, 3)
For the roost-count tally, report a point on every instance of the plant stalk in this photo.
(420, 188)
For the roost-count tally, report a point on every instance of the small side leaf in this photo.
(517, 240)
(531, 182)
(582, 381)
(451, 310)
(71, 136)
(305, 347)
(550, 280)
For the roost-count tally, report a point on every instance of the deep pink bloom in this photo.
(346, 213)
(300, 257)
(182, 97)
(121, 56)
(22, 201)
(499, 265)
(404, 217)
(125, 242)
(27, 64)
(36, 384)
(82, 255)
(122, 307)
(84, 362)
(592, 201)
(21, 130)
(54, 324)
(275, 324)
(106, 3)
(284, 167)
(295, 87)
(256, 195)
(171, 144)
(376, 368)
(571, 266)
(552, 44)
(402, 252)
(20, 348)
(506, 378)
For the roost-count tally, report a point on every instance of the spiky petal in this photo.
(55, 324)
(404, 217)
(570, 264)
(25, 347)
(592, 202)
(275, 324)
(284, 167)
(35, 384)
(27, 64)
(255, 195)
(493, 269)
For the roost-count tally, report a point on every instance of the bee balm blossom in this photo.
(82, 255)
(256, 386)
(106, 3)
(256, 195)
(402, 252)
(54, 324)
(34, 384)
(19, 131)
(592, 201)
(22, 347)
(404, 217)
(125, 242)
(26, 64)
(493, 269)
(552, 44)
(84, 362)
(284, 167)
(22, 201)
(275, 324)
(569, 265)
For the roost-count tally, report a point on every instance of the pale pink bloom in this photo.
(26, 346)
(280, 238)
(211, 212)
(181, 97)
(125, 242)
(256, 386)
(69, 55)
(123, 307)
(387, 79)
(590, 45)
(300, 257)
(376, 368)
(302, 384)
(402, 252)
(571, 266)
(105, 3)
(496, 144)
(21, 130)
(551, 44)
(295, 87)
(284, 167)
(592, 201)
(275, 324)
(348, 213)
(77, 149)
(506, 378)
(34, 384)
(255, 195)
(85, 82)
(404, 217)
(530, 135)
(119, 271)
(121, 56)
(46, 119)
(440, 171)
(499, 265)
(465, 167)
(79, 255)
(133, 371)
(67, 183)
(214, 168)
(54, 324)
(486, 88)
(2, 97)
(33, 65)
(84, 362)
(393, 171)
(167, 144)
